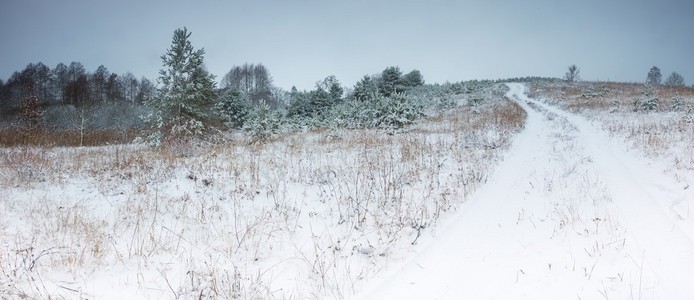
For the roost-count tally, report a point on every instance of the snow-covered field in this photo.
(582, 198)
(306, 215)
(571, 213)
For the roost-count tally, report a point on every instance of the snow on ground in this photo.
(306, 215)
(569, 214)
(663, 133)
(572, 211)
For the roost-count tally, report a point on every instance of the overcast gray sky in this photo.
(302, 42)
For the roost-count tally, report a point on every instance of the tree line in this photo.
(189, 104)
(185, 101)
(72, 84)
(653, 78)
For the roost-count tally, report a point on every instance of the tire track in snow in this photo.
(643, 197)
(527, 233)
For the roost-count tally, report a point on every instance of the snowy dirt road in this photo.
(568, 214)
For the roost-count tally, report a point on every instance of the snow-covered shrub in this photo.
(445, 102)
(394, 111)
(353, 114)
(595, 91)
(263, 122)
(677, 103)
(649, 101)
(688, 114)
(475, 100)
(458, 88)
(649, 104)
(190, 127)
(398, 110)
(475, 86)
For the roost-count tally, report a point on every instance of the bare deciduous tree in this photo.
(675, 79)
(573, 74)
(130, 86)
(98, 80)
(252, 80)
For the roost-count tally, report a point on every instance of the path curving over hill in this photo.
(568, 214)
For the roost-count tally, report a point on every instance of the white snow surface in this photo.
(569, 214)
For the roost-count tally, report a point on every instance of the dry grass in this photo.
(15, 137)
(307, 215)
(664, 132)
(609, 96)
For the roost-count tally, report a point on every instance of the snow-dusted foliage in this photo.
(365, 89)
(263, 122)
(187, 90)
(593, 91)
(311, 104)
(390, 81)
(676, 103)
(446, 102)
(412, 79)
(234, 107)
(649, 101)
(398, 110)
(392, 112)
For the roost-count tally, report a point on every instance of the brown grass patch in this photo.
(12, 137)
(608, 96)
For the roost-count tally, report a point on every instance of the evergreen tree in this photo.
(390, 82)
(262, 122)
(315, 103)
(413, 79)
(654, 77)
(299, 104)
(365, 89)
(320, 101)
(183, 101)
(234, 106)
(331, 85)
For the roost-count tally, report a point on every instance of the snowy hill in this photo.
(577, 191)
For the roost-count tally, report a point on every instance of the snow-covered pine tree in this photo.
(399, 110)
(390, 82)
(412, 79)
(677, 102)
(365, 90)
(332, 86)
(650, 100)
(263, 122)
(234, 106)
(187, 92)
